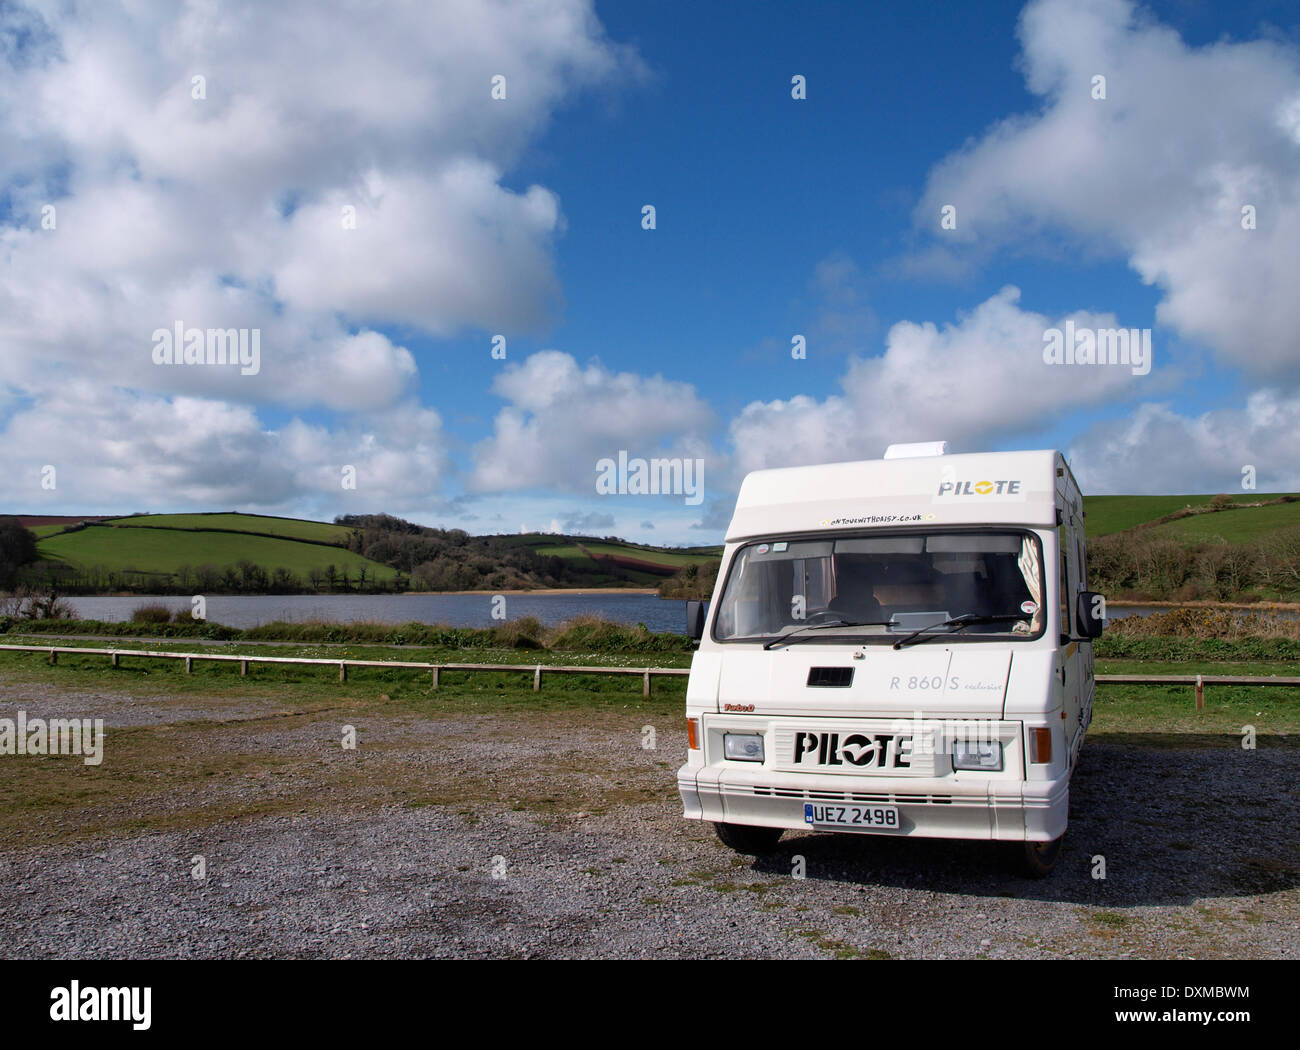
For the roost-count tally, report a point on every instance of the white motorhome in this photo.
(896, 647)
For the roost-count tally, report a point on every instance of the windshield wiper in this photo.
(965, 620)
(782, 639)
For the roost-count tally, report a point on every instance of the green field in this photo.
(1106, 514)
(582, 553)
(1247, 525)
(569, 552)
(166, 550)
(1109, 514)
(568, 547)
(536, 540)
(655, 555)
(288, 528)
(41, 531)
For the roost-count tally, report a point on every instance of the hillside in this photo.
(1243, 525)
(1111, 514)
(451, 559)
(548, 543)
(1107, 514)
(226, 552)
(126, 556)
(254, 524)
(637, 563)
(1244, 548)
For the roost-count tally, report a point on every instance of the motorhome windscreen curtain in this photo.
(1029, 570)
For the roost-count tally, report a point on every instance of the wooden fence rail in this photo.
(1192, 679)
(647, 674)
(1199, 681)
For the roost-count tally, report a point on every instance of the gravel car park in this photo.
(233, 826)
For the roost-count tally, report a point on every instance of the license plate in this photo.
(861, 818)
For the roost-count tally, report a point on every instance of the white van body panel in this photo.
(1011, 488)
(897, 699)
(941, 680)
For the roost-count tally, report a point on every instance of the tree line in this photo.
(452, 560)
(1144, 568)
(424, 559)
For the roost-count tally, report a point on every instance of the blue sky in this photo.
(522, 217)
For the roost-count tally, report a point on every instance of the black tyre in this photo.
(744, 838)
(1037, 859)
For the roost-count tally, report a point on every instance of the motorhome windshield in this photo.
(988, 583)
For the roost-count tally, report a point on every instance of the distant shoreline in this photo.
(571, 591)
(1202, 604)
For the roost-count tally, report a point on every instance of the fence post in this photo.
(243, 668)
(1200, 694)
(645, 683)
(113, 660)
(54, 657)
(343, 671)
(434, 672)
(189, 665)
(537, 679)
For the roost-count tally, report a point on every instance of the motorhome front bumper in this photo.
(940, 807)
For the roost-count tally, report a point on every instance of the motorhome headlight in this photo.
(743, 747)
(977, 754)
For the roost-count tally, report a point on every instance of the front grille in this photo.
(848, 796)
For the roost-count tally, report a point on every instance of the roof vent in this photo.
(917, 449)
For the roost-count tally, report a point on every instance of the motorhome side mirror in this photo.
(695, 612)
(1088, 613)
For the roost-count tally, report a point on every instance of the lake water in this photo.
(457, 610)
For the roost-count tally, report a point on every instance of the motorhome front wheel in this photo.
(1037, 859)
(745, 839)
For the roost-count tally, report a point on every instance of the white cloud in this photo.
(970, 383)
(362, 372)
(1160, 451)
(1158, 172)
(108, 446)
(225, 212)
(113, 448)
(169, 197)
(562, 418)
(589, 522)
(418, 254)
(300, 95)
